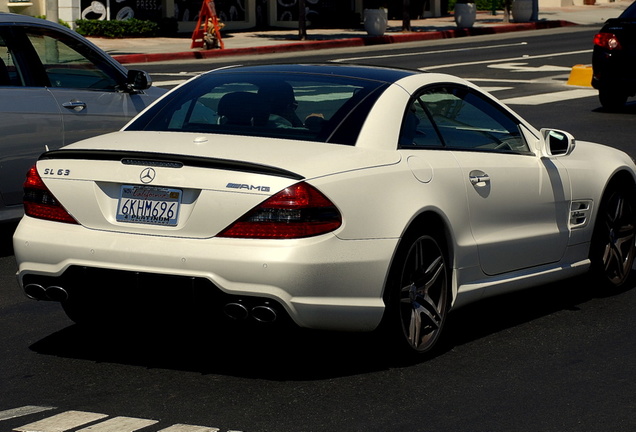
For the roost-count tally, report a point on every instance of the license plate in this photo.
(149, 205)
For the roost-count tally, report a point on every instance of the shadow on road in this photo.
(628, 109)
(293, 354)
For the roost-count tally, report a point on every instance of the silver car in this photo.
(56, 88)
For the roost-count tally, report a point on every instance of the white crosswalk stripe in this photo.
(22, 411)
(62, 422)
(189, 428)
(82, 421)
(119, 424)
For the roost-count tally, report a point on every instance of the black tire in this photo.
(417, 295)
(613, 245)
(612, 99)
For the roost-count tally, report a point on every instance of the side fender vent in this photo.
(580, 212)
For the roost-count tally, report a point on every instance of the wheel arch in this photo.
(431, 222)
(610, 233)
(621, 178)
(624, 177)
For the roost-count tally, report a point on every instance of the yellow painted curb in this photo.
(581, 75)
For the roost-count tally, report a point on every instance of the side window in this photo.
(9, 74)
(466, 120)
(68, 65)
(417, 128)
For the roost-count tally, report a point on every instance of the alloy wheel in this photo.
(423, 294)
(619, 236)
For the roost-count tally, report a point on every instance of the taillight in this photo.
(40, 203)
(295, 212)
(608, 41)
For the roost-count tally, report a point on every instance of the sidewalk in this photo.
(140, 50)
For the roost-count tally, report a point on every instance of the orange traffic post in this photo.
(207, 32)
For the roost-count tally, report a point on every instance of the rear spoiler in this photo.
(169, 160)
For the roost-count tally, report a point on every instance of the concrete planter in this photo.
(375, 21)
(465, 14)
(521, 10)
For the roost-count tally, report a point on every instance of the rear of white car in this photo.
(263, 241)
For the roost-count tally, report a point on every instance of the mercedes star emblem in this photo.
(147, 175)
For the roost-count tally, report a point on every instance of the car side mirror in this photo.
(138, 80)
(557, 142)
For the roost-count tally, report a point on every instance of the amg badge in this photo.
(247, 187)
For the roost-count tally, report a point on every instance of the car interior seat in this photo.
(279, 96)
(242, 109)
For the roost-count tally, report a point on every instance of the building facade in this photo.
(235, 14)
(239, 14)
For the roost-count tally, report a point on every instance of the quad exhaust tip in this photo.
(51, 293)
(262, 313)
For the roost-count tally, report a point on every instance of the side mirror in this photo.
(557, 142)
(138, 80)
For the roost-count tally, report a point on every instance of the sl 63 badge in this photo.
(56, 172)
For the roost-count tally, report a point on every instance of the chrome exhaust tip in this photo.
(264, 314)
(236, 311)
(56, 293)
(35, 292)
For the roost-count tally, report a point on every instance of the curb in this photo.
(341, 43)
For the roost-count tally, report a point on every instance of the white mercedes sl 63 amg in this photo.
(332, 197)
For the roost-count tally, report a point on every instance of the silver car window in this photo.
(9, 73)
(66, 67)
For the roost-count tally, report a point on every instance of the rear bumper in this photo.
(321, 282)
(614, 71)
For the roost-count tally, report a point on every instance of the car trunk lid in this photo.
(187, 185)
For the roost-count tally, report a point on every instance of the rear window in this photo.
(322, 108)
(630, 12)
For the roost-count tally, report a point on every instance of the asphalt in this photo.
(141, 50)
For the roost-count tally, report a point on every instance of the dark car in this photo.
(614, 60)
(56, 88)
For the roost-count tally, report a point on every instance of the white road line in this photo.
(510, 59)
(494, 89)
(188, 74)
(62, 422)
(550, 97)
(189, 428)
(350, 59)
(510, 81)
(22, 411)
(167, 83)
(523, 67)
(119, 424)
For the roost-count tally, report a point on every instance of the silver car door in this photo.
(87, 113)
(30, 122)
(89, 90)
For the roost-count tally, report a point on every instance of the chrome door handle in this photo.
(479, 178)
(75, 105)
